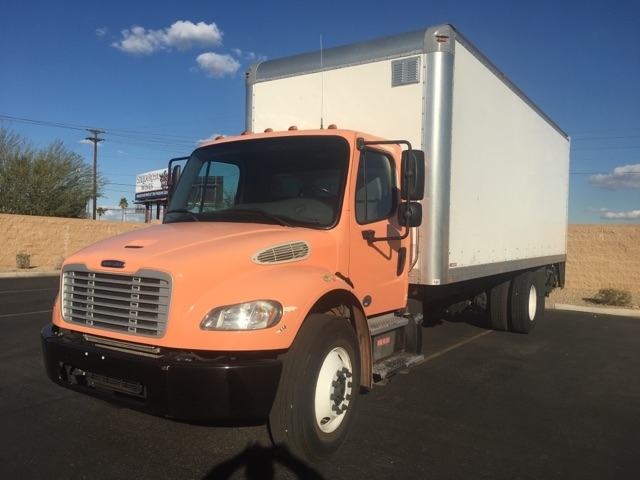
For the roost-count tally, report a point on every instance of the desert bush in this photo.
(613, 297)
(23, 260)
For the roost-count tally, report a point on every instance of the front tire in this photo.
(318, 389)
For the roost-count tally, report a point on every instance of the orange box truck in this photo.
(295, 262)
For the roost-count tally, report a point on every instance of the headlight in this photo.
(243, 316)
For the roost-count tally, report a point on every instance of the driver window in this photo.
(374, 187)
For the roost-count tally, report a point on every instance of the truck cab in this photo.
(279, 277)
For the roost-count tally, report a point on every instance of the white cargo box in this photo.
(497, 167)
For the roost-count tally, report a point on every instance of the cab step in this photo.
(386, 323)
(388, 366)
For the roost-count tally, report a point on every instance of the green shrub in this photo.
(23, 260)
(613, 297)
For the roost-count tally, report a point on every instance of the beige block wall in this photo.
(598, 256)
(50, 239)
(603, 256)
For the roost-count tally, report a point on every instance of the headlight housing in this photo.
(254, 315)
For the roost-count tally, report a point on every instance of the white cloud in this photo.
(621, 178)
(217, 65)
(250, 56)
(597, 210)
(632, 215)
(86, 141)
(210, 139)
(101, 32)
(139, 41)
(607, 214)
(182, 35)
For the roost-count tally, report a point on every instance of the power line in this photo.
(606, 148)
(153, 139)
(600, 173)
(42, 123)
(586, 139)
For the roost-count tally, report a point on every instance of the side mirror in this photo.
(174, 176)
(410, 214)
(412, 175)
(173, 172)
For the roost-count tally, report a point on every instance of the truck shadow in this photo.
(260, 463)
(472, 315)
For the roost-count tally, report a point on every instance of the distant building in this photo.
(152, 190)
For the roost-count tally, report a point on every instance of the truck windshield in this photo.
(288, 181)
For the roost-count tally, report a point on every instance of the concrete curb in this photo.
(621, 312)
(29, 274)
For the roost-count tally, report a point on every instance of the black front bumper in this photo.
(224, 388)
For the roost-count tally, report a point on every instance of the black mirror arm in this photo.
(370, 236)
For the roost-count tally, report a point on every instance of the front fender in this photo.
(297, 288)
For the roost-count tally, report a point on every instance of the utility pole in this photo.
(95, 141)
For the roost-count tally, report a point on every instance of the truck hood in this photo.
(182, 249)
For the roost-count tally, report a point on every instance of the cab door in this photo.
(377, 268)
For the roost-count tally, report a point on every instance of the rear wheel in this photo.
(499, 306)
(527, 300)
(318, 389)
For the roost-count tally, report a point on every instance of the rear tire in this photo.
(499, 306)
(527, 301)
(318, 389)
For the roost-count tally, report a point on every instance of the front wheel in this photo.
(318, 389)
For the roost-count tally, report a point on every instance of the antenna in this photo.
(321, 87)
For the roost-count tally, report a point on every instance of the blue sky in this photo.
(159, 76)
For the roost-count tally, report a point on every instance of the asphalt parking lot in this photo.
(562, 402)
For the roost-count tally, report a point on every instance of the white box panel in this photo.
(509, 173)
(358, 98)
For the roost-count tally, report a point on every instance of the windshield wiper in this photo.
(184, 210)
(263, 213)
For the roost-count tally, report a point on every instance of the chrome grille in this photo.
(133, 304)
